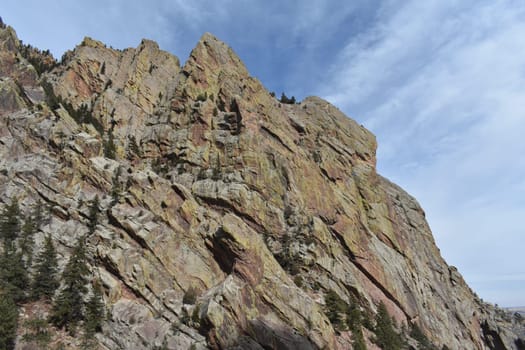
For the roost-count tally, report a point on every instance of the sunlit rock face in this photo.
(226, 215)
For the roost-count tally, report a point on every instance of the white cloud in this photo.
(500, 278)
(442, 85)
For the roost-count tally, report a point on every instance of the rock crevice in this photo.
(211, 185)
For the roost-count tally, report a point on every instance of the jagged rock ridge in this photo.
(209, 184)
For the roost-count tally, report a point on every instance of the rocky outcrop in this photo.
(210, 186)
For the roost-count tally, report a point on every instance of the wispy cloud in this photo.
(500, 278)
(279, 41)
(442, 84)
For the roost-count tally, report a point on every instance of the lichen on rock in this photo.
(259, 208)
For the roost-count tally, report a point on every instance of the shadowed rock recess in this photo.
(226, 217)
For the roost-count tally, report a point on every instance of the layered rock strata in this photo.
(213, 187)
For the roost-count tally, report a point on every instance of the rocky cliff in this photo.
(227, 217)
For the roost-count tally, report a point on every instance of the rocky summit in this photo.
(213, 215)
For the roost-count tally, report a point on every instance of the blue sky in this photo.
(441, 83)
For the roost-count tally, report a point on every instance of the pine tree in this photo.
(417, 334)
(68, 307)
(8, 321)
(37, 331)
(94, 317)
(27, 242)
(110, 149)
(45, 282)
(116, 188)
(354, 318)
(334, 307)
(93, 215)
(285, 99)
(38, 214)
(386, 336)
(358, 342)
(13, 273)
(354, 321)
(133, 148)
(32, 224)
(94, 312)
(10, 221)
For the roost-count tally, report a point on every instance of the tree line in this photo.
(350, 317)
(27, 276)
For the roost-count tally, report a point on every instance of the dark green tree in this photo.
(27, 241)
(417, 334)
(10, 221)
(13, 273)
(354, 321)
(110, 149)
(31, 225)
(37, 331)
(386, 336)
(190, 296)
(53, 100)
(94, 311)
(133, 148)
(354, 317)
(94, 317)
(68, 308)
(45, 281)
(116, 187)
(358, 340)
(285, 99)
(38, 214)
(94, 210)
(334, 309)
(8, 321)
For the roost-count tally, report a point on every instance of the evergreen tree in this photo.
(38, 214)
(45, 281)
(358, 342)
(334, 307)
(94, 311)
(37, 331)
(27, 242)
(285, 99)
(116, 188)
(354, 321)
(93, 215)
(133, 148)
(10, 221)
(8, 322)
(94, 317)
(13, 273)
(354, 318)
(32, 224)
(417, 334)
(386, 336)
(110, 149)
(68, 307)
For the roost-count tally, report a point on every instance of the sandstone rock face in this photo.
(257, 207)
